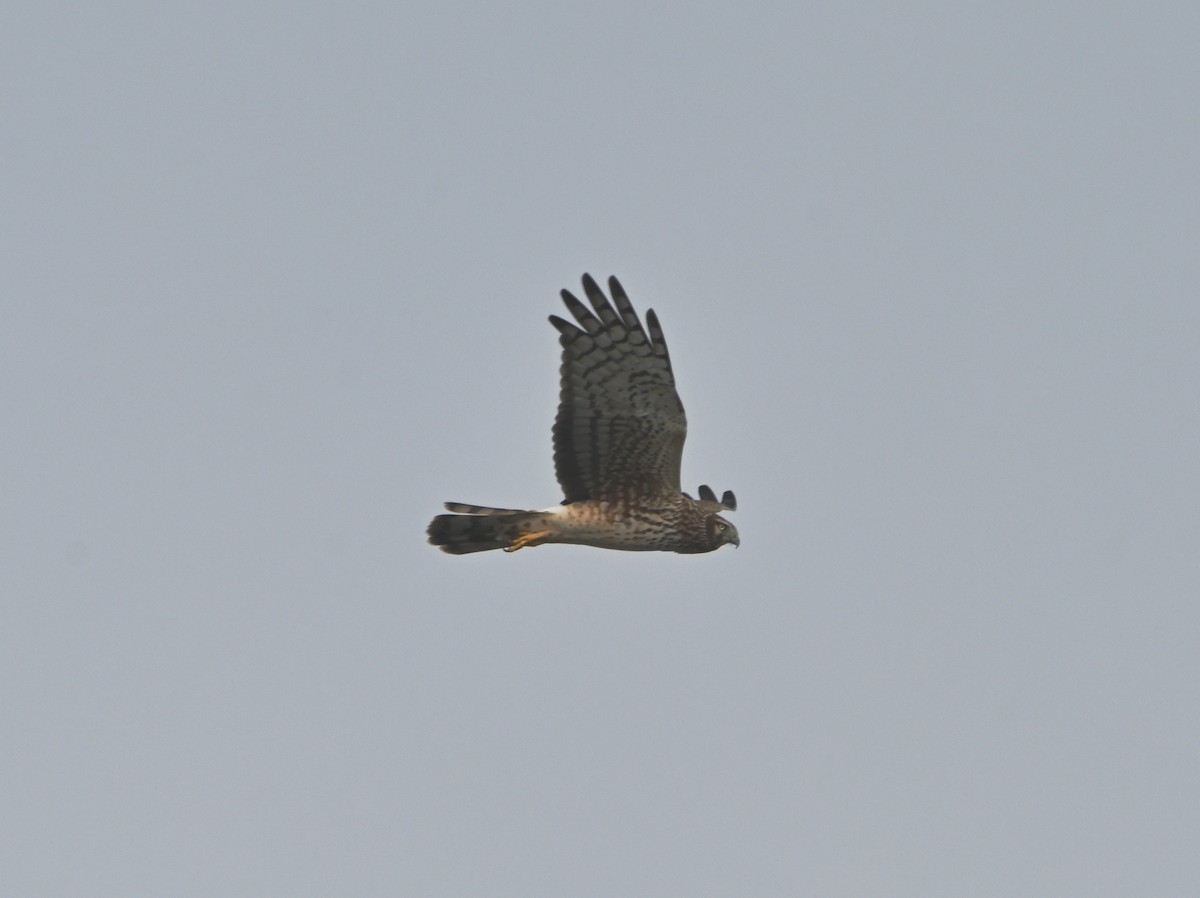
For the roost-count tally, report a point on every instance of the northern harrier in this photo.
(618, 442)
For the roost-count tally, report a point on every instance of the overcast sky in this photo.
(275, 283)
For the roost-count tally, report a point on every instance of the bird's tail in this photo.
(477, 528)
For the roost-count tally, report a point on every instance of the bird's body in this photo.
(618, 443)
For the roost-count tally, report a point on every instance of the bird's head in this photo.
(720, 531)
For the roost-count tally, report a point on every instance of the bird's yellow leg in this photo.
(533, 538)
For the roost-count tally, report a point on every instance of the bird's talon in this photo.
(528, 539)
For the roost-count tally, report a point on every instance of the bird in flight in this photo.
(618, 443)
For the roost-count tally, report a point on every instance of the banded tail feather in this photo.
(479, 528)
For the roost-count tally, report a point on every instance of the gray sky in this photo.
(274, 286)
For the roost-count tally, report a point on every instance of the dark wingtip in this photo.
(655, 333)
(564, 327)
(727, 499)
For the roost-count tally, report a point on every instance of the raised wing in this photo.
(727, 502)
(620, 426)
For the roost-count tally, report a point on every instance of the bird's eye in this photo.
(721, 528)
